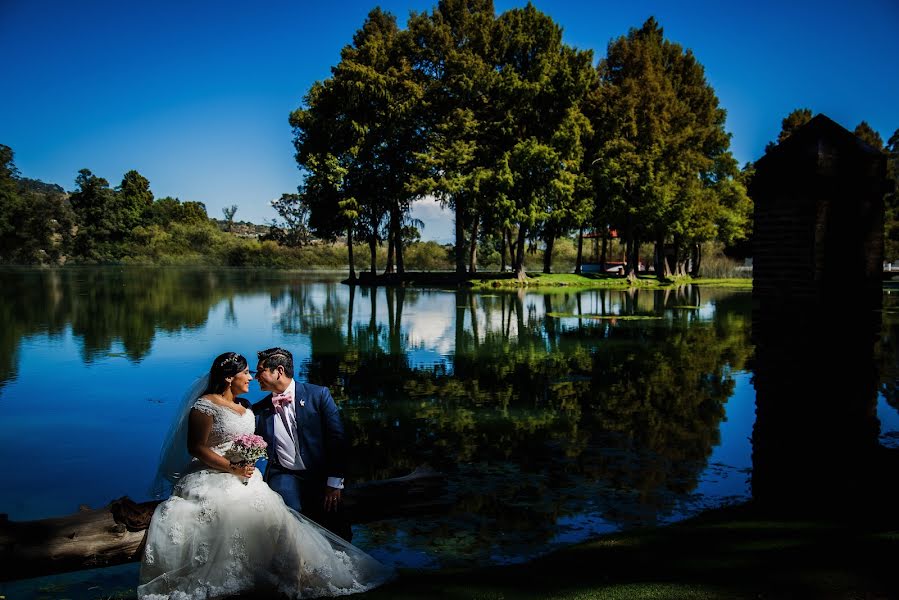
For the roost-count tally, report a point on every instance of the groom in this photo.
(306, 450)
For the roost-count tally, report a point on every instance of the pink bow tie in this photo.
(282, 400)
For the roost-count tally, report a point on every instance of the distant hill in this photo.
(243, 228)
(36, 185)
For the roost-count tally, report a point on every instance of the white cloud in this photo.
(438, 222)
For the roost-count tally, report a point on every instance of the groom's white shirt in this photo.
(288, 455)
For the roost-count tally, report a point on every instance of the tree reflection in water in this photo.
(553, 415)
(103, 307)
(534, 417)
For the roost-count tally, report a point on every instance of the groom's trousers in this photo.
(305, 493)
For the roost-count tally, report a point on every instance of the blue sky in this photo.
(195, 94)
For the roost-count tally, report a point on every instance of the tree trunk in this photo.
(548, 253)
(580, 251)
(473, 246)
(628, 249)
(398, 247)
(602, 255)
(349, 243)
(373, 250)
(697, 261)
(388, 268)
(115, 534)
(633, 261)
(657, 257)
(661, 261)
(511, 244)
(519, 254)
(502, 254)
(460, 240)
(678, 263)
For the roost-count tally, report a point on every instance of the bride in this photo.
(223, 531)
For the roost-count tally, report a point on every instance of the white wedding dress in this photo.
(216, 537)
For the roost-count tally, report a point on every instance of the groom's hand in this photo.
(332, 498)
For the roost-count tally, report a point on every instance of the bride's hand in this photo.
(243, 470)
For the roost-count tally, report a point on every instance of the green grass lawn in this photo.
(598, 280)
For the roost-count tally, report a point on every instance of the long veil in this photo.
(174, 457)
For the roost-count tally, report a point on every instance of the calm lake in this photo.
(554, 416)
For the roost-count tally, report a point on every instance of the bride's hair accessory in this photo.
(232, 358)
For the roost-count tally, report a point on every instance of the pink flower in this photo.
(249, 448)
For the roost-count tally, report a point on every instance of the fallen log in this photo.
(115, 534)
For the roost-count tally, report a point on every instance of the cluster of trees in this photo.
(41, 223)
(520, 135)
(36, 221)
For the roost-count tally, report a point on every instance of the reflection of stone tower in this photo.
(816, 295)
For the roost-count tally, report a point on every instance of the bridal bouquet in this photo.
(246, 449)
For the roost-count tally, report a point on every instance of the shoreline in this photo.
(508, 281)
(736, 551)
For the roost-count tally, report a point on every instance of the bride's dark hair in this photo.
(225, 365)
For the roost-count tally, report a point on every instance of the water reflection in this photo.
(554, 416)
(545, 407)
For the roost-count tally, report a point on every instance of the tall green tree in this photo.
(540, 85)
(356, 137)
(101, 226)
(631, 173)
(134, 199)
(662, 159)
(384, 95)
(452, 56)
(326, 154)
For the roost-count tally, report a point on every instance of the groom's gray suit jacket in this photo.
(322, 443)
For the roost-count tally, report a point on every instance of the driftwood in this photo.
(115, 533)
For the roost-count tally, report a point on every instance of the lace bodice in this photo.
(226, 424)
